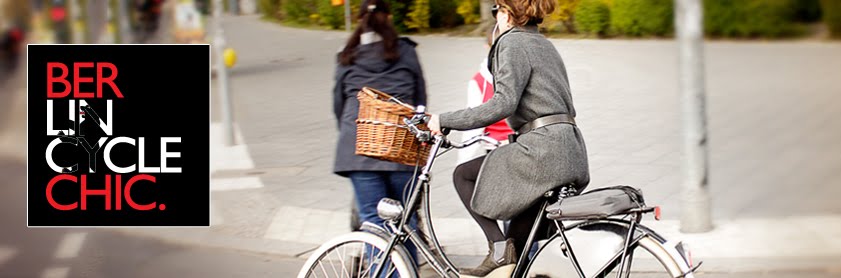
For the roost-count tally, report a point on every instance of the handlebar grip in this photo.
(445, 131)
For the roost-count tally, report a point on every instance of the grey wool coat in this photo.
(530, 81)
(402, 79)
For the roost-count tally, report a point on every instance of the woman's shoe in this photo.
(500, 262)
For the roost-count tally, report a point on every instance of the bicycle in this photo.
(611, 238)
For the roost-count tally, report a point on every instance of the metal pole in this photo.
(222, 75)
(695, 216)
(347, 16)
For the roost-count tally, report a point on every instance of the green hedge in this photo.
(722, 18)
(418, 18)
(298, 11)
(641, 17)
(269, 8)
(399, 10)
(752, 18)
(832, 16)
(592, 17)
(808, 10)
(469, 10)
(331, 16)
(443, 14)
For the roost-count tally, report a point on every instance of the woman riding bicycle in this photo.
(532, 91)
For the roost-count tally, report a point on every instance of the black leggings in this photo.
(464, 178)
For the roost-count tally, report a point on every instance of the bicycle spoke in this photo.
(332, 266)
(323, 270)
(342, 261)
(368, 265)
(361, 261)
(374, 261)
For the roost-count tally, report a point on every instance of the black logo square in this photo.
(118, 135)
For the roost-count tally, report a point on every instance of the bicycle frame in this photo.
(622, 258)
(444, 266)
(402, 231)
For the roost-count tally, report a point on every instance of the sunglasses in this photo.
(494, 10)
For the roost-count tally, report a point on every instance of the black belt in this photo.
(541, 122)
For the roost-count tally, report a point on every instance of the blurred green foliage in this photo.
(469, 11)
(269, 8)
(808, 11)
(832, 16)
(399, 10)
(563, 18)
(752, 18)
(443, 14)
(418, 18)
(592, 17)
(722, 18)
(641, 17)
(331, 16)
(298, 11)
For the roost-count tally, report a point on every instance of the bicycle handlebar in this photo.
(420, 117)
(474, 140)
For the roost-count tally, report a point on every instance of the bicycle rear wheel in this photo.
(598, 244)
(357, 255)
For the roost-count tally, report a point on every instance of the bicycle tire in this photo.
(400, 261)
(673, 264)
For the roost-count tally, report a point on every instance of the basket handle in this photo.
(380, 95)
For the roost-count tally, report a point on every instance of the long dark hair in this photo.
(373, 16)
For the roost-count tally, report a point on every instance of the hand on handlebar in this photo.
(434, 125)
(431, 121)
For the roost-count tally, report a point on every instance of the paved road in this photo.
(67, 253)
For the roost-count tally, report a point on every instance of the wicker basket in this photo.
(381, 133)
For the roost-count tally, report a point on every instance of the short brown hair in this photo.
(525, 11)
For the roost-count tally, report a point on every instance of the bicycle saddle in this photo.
(596, 204)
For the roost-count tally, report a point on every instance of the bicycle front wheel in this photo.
(355, 255)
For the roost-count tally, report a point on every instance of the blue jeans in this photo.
(371, 186)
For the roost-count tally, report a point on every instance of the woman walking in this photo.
(376, 57)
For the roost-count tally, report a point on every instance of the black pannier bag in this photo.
(596, 204)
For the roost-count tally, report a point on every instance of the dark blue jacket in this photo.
(402, 79)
